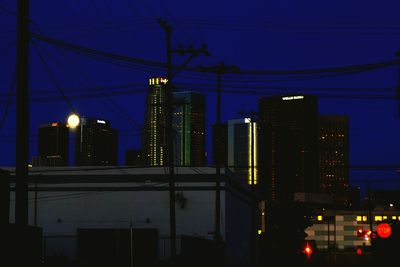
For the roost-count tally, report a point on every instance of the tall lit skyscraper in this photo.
(96, 143)
(154, 139)
(53, 144)
(334, 156)
(241, 134)
(289, 145)
(189, 128)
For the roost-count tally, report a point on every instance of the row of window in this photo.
(363, 218)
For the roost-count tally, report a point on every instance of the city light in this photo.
(73, 121)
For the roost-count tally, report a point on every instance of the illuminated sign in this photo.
(292, 97)
(101, 121)
(384, 230)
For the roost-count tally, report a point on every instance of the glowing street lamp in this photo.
(73, 120)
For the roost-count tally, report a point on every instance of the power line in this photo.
(158, 65)
(53, 78)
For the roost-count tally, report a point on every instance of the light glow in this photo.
(101, 121)
(73, 121)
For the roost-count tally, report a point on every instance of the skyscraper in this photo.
(154, 139)
(53, 144)
(189, 128)
(289, 145)
(96, 143)
(334, 155)
(241, 134)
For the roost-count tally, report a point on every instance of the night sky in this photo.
(253, 35)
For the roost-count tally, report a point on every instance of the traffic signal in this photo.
(308, 250)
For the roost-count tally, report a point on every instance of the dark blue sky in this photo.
(275, 35)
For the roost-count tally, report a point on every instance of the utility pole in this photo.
(22, 124)
(252, 116)
(169, 121)
(398, 82)
(219, 70)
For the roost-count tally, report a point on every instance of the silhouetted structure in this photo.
(155, 144)
(96, 143)
(53, 144)
(189, 126)
(334, 156)
(117, 247)
(288, 145)
(133, 157)
(220, 155)
(239, 147)
(4, 197)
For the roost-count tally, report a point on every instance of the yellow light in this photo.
(364, 218)
(358, 218)
(259, 232)
(378, 218)
(319, 218)
(394, 217)
(73, 120)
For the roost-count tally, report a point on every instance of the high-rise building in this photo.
(53, 144)
(189, 128)
(155, 138)
(242, 134)
(96, 143)
(334, 155)
(288, 146)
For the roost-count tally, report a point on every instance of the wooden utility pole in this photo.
(169, 106)
(219, 70)
(22, 125)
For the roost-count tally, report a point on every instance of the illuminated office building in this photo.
(96, 143)
(189, 128)
(241, 134)
(53, 145)
(334, 155)
(155, 138)
(288, 146)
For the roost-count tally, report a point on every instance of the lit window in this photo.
(378, 218)
(319, 218)
(359, 218)
(364, 218)
(394, 217)
(384, 217)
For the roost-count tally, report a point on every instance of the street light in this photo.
(73, 120)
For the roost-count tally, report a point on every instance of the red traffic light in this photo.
(307, 250)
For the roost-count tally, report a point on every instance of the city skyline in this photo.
(293, 42)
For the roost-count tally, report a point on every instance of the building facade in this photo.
(96, 143)
(334, 156)
(242, 135)
(189, 128)
(288, 145)
(155, 132)
(53, 145)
